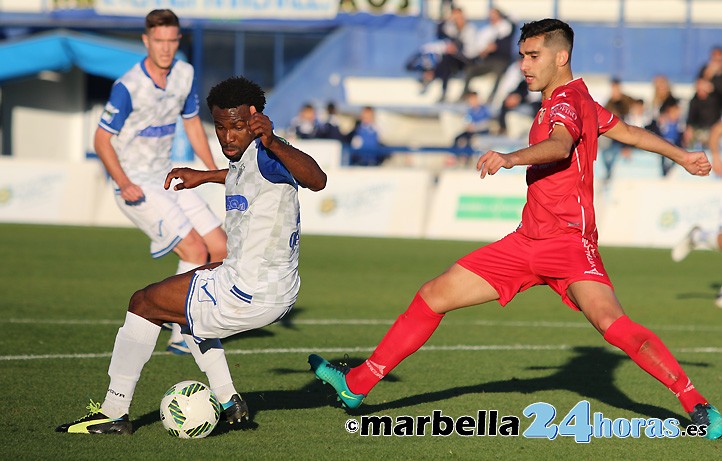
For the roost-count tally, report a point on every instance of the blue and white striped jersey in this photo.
(143, 116)
(263, 227)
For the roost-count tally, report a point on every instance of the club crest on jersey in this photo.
(540, 117)
(236, 202)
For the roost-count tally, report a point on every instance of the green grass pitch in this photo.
(64, 292)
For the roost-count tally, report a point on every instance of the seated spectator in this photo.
(704, 111)
(620, 105)
(330, 128)
(667, 125)
(519, 100)
(366, 147)
(712, 71)
(458, 51)
(477, 120)
(662, 94)
(493, 50)
(305, 125)
(428, 56)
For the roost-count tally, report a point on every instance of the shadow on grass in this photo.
(715, 287)
(589, 373)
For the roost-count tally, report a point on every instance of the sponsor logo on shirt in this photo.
(564, 111)
(109, 113)
(236, 202)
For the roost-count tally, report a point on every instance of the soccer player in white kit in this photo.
(254, 286)
(134, 140)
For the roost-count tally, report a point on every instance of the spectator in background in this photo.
(619, 104)
(429, 55)
(366, 147)
(662, 94)
(477, 120)
(711, 71)
(305, 125)
(492, 50)
(330, 128)
(458, 51)
(667, 125)
(704, 111)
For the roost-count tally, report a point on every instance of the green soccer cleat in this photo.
(335, 375)
(707, 415)
(95, 422)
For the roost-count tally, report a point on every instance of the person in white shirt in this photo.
(255, 285)
(134, 141)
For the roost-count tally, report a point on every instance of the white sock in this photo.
(175, 334)
(134, 345)
(213, 364)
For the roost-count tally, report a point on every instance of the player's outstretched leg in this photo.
(650, 353)
(335, 375)
(707, 415)
(95, 422)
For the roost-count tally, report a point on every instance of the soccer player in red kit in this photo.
(556, 242)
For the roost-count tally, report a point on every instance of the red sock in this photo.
(408, 333)
(650, 353)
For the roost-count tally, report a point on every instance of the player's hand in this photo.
(131, 193)
(493, 161)
(696, 163)
(261, 127)
(189, 178)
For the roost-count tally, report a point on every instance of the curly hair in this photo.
(235, 92)
(555, 32)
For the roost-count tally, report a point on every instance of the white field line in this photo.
(346, 350)
(483, 323)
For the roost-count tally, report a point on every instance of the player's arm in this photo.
(695, 163)
(129, 191)
(190, 178)
(557, 147)
(301, 165)
(199, 141)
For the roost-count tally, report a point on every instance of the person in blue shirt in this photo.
(477, 121)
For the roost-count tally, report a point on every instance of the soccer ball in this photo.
(189, 410)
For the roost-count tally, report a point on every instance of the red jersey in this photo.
(560, 195)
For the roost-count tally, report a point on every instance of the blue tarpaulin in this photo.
(60, 51)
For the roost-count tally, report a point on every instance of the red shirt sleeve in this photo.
(565, 109)
(607, 120)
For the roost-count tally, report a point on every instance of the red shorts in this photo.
(515, 263)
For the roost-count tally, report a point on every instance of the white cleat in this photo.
(682, 249)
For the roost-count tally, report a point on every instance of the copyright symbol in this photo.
(351, 426)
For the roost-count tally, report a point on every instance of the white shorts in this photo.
(167, 216)
(214, 311)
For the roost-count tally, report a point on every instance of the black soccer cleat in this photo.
(96, 422)
(707, 415)
(235, 410)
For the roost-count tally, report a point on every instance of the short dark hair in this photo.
(553, 30)
(235, 92)
(158, 18)
(668, 104)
